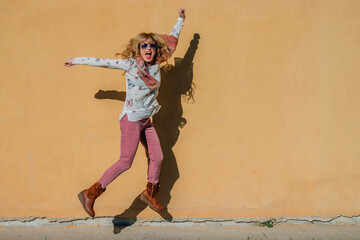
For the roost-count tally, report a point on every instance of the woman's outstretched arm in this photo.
(122, 64)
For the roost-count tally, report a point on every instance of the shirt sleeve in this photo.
(177, 28)
(122, 64)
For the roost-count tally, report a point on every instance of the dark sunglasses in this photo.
(145, 45)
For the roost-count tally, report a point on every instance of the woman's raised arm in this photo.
(172, 39)
(180, 22)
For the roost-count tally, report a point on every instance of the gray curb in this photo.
(110, 221)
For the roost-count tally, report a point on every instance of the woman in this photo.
(140, 59)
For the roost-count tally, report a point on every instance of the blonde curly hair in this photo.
(132, 49)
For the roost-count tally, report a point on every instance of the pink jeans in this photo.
(131, 134)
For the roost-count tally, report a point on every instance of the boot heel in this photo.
(81, 198)
(87, 198)
(144, 199)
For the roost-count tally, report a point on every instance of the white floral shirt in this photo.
(140, 102)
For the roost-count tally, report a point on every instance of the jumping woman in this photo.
(141, 60)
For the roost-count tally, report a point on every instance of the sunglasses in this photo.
(145, 45)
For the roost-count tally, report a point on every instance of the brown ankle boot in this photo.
(88, 196)
(149, 196)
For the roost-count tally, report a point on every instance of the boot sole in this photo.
(81, 198)
(144, 199)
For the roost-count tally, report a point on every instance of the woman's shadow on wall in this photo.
(176, 84)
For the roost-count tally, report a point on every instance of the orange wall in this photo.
(274, 130)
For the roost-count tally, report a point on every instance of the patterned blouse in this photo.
(140, 102)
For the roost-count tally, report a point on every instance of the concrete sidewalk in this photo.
(135, 232)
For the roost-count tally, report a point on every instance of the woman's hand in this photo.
(68, 62)
(182, 13)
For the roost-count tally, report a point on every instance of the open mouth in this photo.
(148, 55)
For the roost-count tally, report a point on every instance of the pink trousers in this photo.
(131, 134)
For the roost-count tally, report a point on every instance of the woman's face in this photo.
(148, 50)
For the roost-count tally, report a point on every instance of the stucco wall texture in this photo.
(274, 129)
